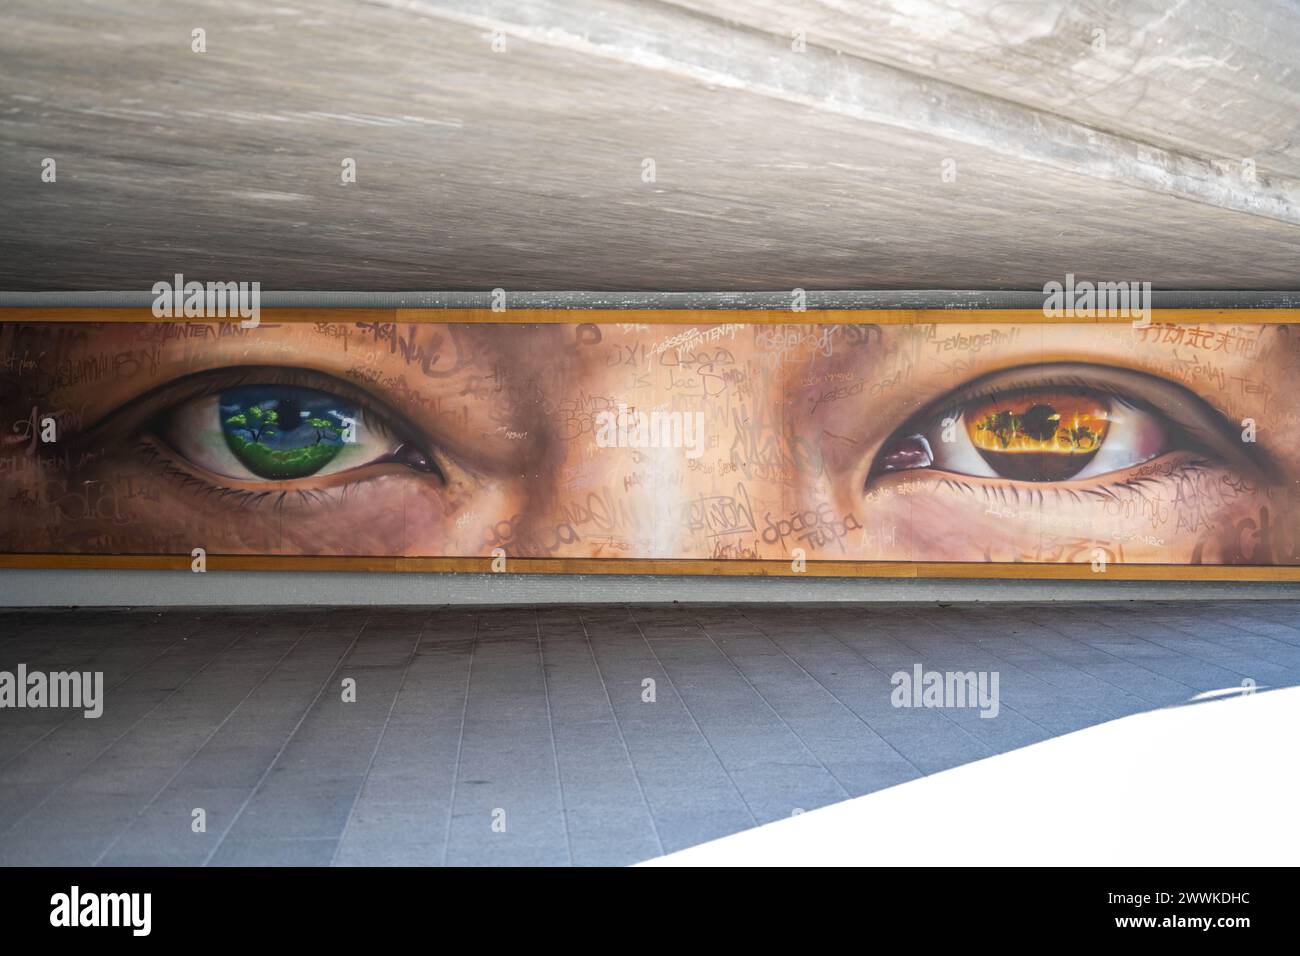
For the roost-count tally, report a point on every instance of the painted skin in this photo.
(473, 437)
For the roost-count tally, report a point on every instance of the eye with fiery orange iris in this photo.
(1042, 436)
(1057, 424)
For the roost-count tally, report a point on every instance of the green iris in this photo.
(281, 433)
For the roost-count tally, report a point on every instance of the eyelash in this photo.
(216, 383)
(174, 468)
(1188, 439)
(175, 471)
(1104, 490)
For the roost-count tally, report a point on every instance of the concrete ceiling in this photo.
(1165, 149)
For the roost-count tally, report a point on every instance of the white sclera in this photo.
(1134, 436)
(195, 431)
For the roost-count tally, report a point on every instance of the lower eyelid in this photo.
(1178, 465)
(175, 466)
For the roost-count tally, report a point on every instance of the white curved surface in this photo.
(1208, 784)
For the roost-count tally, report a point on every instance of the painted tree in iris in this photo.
(257, 422)
(324, 429)
(283, 433)
(1081, 437)
(1002, 425)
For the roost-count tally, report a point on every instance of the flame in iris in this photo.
(1041, 435)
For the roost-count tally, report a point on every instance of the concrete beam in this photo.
(661, 37)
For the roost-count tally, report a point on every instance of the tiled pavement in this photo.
(539, 720)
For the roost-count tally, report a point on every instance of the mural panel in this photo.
(1171, 444)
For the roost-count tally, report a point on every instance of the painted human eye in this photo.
(231, 427)
(1062, 423)
(1037, 434)
(276, 433)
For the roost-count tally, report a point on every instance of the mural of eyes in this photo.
(283, 432)
(1059, 423)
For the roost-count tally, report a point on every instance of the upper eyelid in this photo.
(1030, 378)
(1037, 377)
(145, 408)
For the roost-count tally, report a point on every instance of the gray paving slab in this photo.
(553, 735)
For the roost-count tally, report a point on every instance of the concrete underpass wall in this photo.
(119, 588)
(87, 588)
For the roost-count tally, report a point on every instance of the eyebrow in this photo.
(948, 358)
(444, 383)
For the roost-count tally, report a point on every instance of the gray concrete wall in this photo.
(1165, 153)
(31, 588)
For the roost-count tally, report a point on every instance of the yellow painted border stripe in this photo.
(835, 569)
(676, 316)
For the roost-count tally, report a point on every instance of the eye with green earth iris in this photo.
(283, 433)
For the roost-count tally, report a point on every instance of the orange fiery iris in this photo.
(1041, 435)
